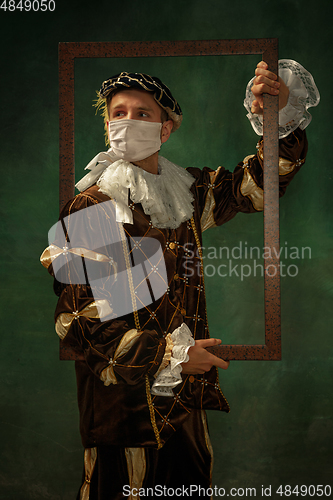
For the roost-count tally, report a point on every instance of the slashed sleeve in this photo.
(222, 194)
(89, 261)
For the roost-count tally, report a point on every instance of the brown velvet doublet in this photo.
(132, 346)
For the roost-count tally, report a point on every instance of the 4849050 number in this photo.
(26, 5)
(308, 491)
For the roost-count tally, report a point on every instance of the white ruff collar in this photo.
(166, 197)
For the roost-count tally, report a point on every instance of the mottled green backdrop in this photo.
(279, 430)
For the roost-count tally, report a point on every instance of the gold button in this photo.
(191, 379)
(183, 311)
(176, 276)
(172, 245)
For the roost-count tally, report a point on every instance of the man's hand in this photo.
(201, 360)
(267, 82)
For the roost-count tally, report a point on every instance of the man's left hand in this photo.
(200, 360)
(267, 82)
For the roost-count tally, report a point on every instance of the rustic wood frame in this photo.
(268, 48)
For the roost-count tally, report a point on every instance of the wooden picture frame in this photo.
(268, 48)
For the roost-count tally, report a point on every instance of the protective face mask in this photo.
(134, 140)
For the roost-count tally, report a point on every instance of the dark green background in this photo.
(279, 430)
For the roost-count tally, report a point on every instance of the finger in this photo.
(226, 365)
(208, 342)
(268, 81)
(262, 64)
(221, 363)
(264, 72)
(256, 108)
(263, 88)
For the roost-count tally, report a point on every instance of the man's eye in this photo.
(144, 115)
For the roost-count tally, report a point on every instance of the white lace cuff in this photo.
(303, 94)
(171, 375)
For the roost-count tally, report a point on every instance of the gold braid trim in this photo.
(152, 414)
(219, 388)
(197, 240)
(137, 324)
(130, 278)
(196, 236)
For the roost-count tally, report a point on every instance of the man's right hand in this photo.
(267, 82)
(201, 361)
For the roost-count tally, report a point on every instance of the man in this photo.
(145, 376)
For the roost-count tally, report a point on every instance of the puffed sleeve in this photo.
(303, 94)
(221, 194)
(90, 263)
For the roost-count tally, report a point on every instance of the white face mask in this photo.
(134, 140)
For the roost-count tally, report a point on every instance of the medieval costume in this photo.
(129, 275)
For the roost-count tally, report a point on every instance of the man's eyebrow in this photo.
(145, 108)
(140, 108)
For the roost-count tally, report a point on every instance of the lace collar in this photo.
(166, 197)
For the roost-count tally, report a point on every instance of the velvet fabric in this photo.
(184, 462)
(126, 414)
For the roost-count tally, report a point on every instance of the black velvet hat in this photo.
(162, 94)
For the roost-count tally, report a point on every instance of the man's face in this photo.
(135, 105)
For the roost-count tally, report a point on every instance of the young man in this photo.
(137, 311)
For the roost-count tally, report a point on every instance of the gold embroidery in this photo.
(136, 467)
(90, 456)
(96, 309)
